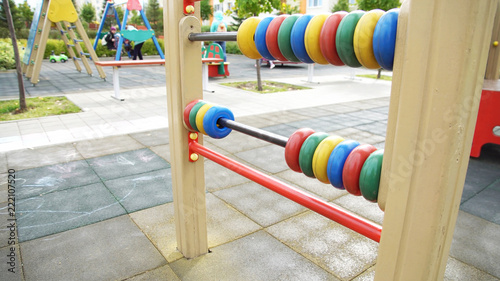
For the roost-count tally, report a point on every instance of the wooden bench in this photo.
(116, 66)
(131, 63)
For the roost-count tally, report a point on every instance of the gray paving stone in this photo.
(368, 275)
(255, 257)
(459, 271)
(64, 210)
(368, 114)
(480, 174)
(341, 251)
(5, 224)
(313, 111)
(325, 191)
(42, 156)
(43, 180)
(484, 205)
(3, 162)
(127, 163)
(142, 191)
(262, 205)
(3, 187)
(362, 207)
(105, 146)
(163, 151)
(110, 250)
(346, 120)
(218, 177)
(377, 128)
(281, 129)
(11, 270)
(475, 242)
(152, 138)
(224, 224)
(162, 273)
(257, 121)
(269, 158)
(284, 116)
(382, 109)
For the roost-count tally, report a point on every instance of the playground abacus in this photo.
(417, 42)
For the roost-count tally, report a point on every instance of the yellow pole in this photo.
(184, 84)
(441, 53)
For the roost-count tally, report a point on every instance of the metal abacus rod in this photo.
(213, 36)
(254, 132)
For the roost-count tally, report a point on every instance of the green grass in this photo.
(267, 86)
(37, 107)
(374, 76)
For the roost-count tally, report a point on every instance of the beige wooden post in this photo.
(493, 64)
(38, 58)
(78, 48)
(183, 72)
(90, 48)
(70, 49)
(28, 70)
(441, 53)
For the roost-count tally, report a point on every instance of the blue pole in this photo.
(157, 45)
(120, 42)
(98, 35)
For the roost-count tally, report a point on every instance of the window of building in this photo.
(217, 7)
(315, 3)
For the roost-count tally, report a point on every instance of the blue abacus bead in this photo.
(210, 122)
(297, 38)
(337, 160)
(260, 38)
(384, 39)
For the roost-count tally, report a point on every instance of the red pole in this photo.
(335, 213)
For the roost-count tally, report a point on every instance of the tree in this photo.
(153, 14)
(136, 18)
(248, 8)
(14, 13)
(385, 5)
(8, 18)
(342, 5)
(87, 12)
(206, 10)
(26, 13)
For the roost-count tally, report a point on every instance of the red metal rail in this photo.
(335, 213)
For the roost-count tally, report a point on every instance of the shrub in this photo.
(232, 48)
(7, 60)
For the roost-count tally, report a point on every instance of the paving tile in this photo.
(255, 257)
(105, 146)
(346, 120)
(127, 164)
(218, 177)
(362, 207)
(475, 242)
(160, 273)
(377, 128)
(42, 156)
(313, 111)
(64, 210)
(281, 129)
(163, 151)
(3, 162)
(269, 158)
(111, 250)
(480, 174)
(47, 179)
(325, 191)
(459, 271)
(3, 187)
(262, 205)
(485, 205)
(335, 248)
(224, 224)
(11, 270)
(5, 232)
(368, 114)
(142, 191)
(152, 138)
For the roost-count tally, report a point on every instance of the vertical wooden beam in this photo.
(183, 73)
(441, 53)
(90, 49)
(493, 64)
(28, 70)
(38, 58)
(70, 49)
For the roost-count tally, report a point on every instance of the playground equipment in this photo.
(429, 130)
(63, 14)
(132, 35)
(216, 69)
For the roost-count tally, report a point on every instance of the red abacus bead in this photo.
(353, 165)
(272, 37)
(327, 38)
(187, 110)
(293, 145)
